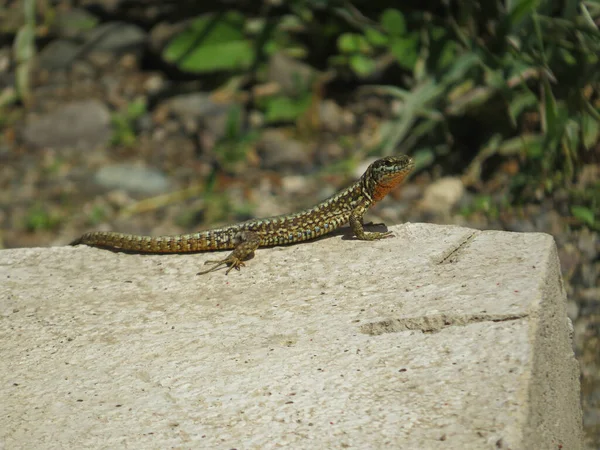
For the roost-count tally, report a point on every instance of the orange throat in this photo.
(382, 189)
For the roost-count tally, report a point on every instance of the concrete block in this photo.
(439, 338)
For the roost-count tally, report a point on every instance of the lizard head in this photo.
(385, 174)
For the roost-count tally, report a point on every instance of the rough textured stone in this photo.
(442, 195)
(144, 180)
(442, 337)
(84, 124)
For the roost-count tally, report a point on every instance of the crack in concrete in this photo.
(435, 323)
(452, 255)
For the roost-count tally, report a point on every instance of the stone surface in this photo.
(214, 115)
(293, 76)
(442, 195)
(84, 124)
(277, 150)
(117, 37)
(442, 337)
(132, 178)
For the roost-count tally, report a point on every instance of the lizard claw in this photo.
(234, 263)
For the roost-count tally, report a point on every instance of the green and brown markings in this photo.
(347, 206)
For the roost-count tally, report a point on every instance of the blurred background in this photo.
(165, 117)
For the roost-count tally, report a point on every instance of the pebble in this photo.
(133, 178)
(201, 106)
(292, 76)
(441, 196)
(58, 55)
(82, 125)
(281, 152)
(589, 243)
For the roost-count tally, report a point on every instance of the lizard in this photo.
(347, 206)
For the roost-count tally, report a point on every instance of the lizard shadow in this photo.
(348, 234)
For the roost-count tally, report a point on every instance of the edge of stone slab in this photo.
(554, 414)
(554, 388)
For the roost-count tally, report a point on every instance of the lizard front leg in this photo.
(356, 223)
(248, 241)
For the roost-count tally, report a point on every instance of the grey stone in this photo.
(84, 124)
(200, 106)
(441, 337)
(117, 37)
(58, 54)
(279, 151)
(143, 180)
(293, 76)
(72, 22)
(589, 243)
(334, 118)
(441, 196)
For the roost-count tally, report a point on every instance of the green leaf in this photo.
(567, 56)
(362, 65)
(583, 214)
(393, 22)
(571, 136)
(437, 33)
(136, 108)
(550, 110)
(211, 43)
(375, 38)
(521, 10)
(591, 131)
(447, 55)
(286, 109)
(352, 43)
(24, 44)
(405, 51)
(460, 67)
(534, 149)
(523, 101)
(225, 56)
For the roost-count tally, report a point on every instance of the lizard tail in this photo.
(137, 243)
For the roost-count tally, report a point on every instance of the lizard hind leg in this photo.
(248, 243)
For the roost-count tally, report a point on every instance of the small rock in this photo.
(278, 151)
(572, 310)
(84, 125)
(131, 178)
(71, 22)
(520, 225)
(546, 220)
(196, 104)
(442, 195)
(101, 59)
(293, 76)
(83, 70)
(5, 57)
(334, 118)
(589, 274)
(569, 258)
(410, 192)
(295, 184)
(201, 106)
(153, 84)
(58, 55)
(117, 38)
(589, 244)
(591, 295)
(328, 151)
